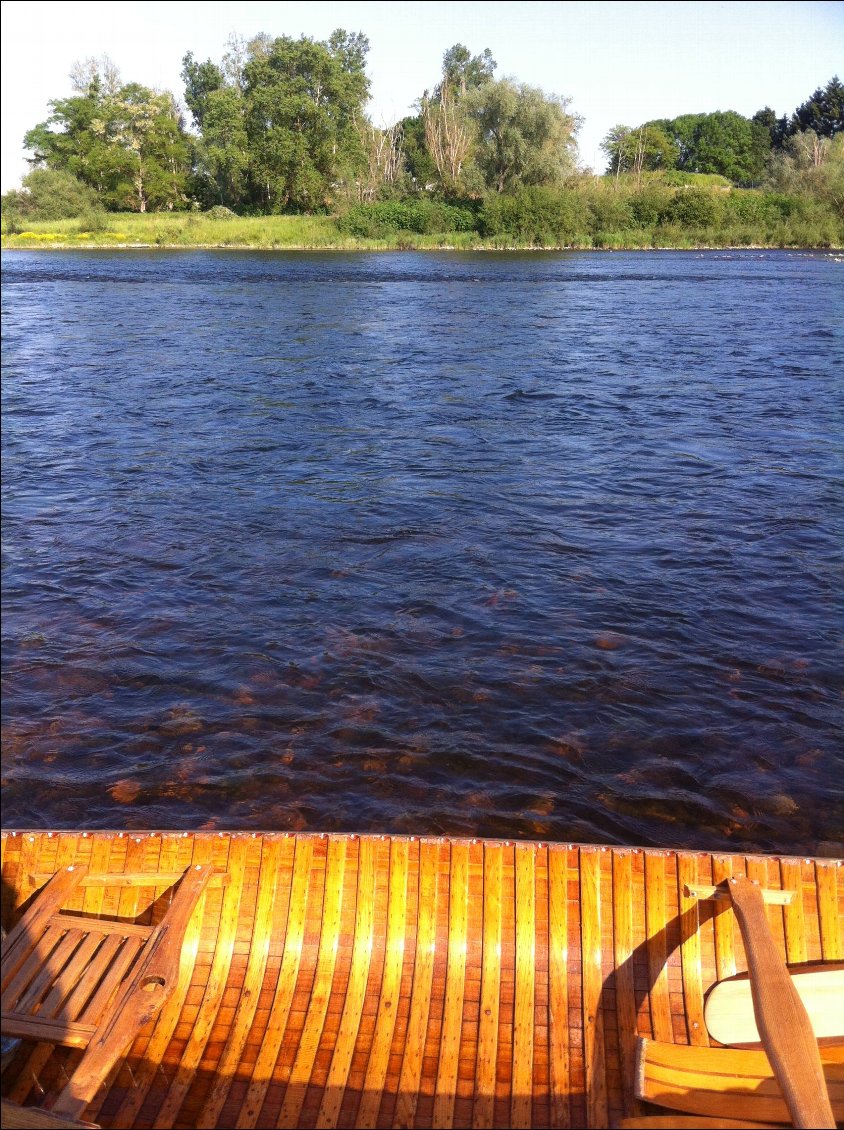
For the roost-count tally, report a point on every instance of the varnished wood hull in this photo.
(386, 981)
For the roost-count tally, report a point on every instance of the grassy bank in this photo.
(530, 223)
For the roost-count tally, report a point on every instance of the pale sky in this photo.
(617, 61)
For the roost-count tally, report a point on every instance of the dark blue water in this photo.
(543, 545)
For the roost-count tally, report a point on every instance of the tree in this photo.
(382, 149)
(646, 147)
(449, 137)
(776, 128)
(722, 142)
(126, 141)
(462, 71)
(525, 136)
(822, 112)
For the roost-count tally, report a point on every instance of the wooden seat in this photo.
(88, 982)
(724, 1082)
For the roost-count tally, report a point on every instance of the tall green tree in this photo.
(525, 137)
(722, 142)
(822, 112)
(646, 147)
(126, 141)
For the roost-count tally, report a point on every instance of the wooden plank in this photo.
(30, 1118)
(34, 922)
(102, 926)
(111, 980)
(220, 965)
(521, 1098)
(655, 923)
(693, 1122)
(783, 1022)
(52, 970)
(730, 1016)
(725, 956)
(690, 953)
(70, 976)
(385, 1021)
(341, 1061)
(487, 1061)
(31, 962)
(133, 879)
(154, 978)
(184, 850)
(276, 856)
(69, 1033)
(92, 976)
(625, 989)
(300, 1074)
(558, 992)
(423, 971)
(827, 872)
(791, 874)
(446, 1085)
(285, 986)
(720, 894)
(597, 1106)
(724, 1082)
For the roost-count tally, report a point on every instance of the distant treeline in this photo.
(279, 126)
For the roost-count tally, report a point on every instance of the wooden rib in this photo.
(826, 877)
(655, 921)
(521, 1099)
(341, 1061)
(482, 1115)
(593, 1020)
(385, 1022)
(300, 1074)
(201, 1030)
(189, 850)
(625, 990)
(791, 873)
(558, 994)
(423, 971)
(285, 986)
(725, 954)
(690, 954)
(276, 856)
(446, 1085)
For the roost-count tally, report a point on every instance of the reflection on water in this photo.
(509, 545)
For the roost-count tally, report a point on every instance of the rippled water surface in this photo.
(542, 545)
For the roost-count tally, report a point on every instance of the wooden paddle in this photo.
(781, 1017)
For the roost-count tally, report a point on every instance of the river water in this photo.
(541, 545)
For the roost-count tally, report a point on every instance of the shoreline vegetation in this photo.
(605, 216)
(280, 154)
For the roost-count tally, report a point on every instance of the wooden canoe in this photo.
(376, 981)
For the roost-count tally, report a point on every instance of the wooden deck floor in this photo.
(345, 981)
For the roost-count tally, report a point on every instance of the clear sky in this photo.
(617, 61)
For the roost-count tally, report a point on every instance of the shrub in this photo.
(49, 194)
(386, 217)
(536, 215)
(693, 208)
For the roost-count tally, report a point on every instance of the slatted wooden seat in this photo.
(91, 983)
(724, 1082)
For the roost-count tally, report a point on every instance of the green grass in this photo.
(181, 229)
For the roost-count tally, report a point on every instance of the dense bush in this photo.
(425, 217)
(536, 216)
(49, 194)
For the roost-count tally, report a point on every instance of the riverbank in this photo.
(179, 230)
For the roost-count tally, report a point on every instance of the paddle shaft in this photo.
(781, 1016)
